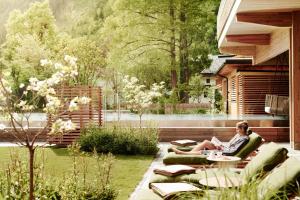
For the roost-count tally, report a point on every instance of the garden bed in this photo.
(58, 163)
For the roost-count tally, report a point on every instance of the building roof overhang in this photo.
(256, 28)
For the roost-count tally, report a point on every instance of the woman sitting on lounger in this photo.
(235, 144)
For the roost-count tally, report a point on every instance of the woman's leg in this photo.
(206, 144)
(197, 149)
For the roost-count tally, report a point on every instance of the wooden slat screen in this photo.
(254, 87)
(90, 113)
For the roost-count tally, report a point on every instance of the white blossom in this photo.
(73, 106)
(45, 62)
(2, 127)
(21, 85)
(60, 126)
(84, 100)
(71, 60)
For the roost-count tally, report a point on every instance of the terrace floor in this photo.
(158, 162)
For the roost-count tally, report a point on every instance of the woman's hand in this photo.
(219, 148)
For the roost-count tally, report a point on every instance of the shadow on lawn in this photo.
(65, 152)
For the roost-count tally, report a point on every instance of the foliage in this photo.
(215, 98)
(219, 104)
(90, 63)
(249, 191)
(18, 109)
(58, 165)
(119, 140)
(138, 97)
(31, 36)
(15, 180)
(197, 87)
(140, 36)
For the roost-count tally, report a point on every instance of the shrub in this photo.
(119, 140)
(14, 180)
(201, 111)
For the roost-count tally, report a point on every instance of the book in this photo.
(169, 190)
(174, 170)
(184, 143)
(216, 142)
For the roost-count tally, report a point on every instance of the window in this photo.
(208, 81)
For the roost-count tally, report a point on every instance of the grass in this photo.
(58, 163)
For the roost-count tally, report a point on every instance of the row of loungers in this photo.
(271, 167)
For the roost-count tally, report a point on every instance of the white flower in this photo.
(52, 105)
(22, 103)
(58, 65)
(2, 127)
(60, 126)
(84, 100)
(45, 62)
(21, 85)
(69, 125)
(73, 106)
(71, 60)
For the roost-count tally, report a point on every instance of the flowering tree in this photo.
(138, 97)
(18, 109)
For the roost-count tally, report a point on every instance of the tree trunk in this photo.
(173, 45)
(140, 116)
(183, 54)
(31, 173)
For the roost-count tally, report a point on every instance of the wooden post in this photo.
(237, 94)
(294, 81)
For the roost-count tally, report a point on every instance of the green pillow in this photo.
(269, 157)
(173, 158)
(187, 148)
(254, 142)
(192, 178)
(282, 181)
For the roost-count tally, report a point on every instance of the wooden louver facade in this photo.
(248, 90)
(90, 113)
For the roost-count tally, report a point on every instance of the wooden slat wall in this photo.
(90, 113)
(232, 96)
(254, 86)
(275, 134)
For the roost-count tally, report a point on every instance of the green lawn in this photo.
(126, 173)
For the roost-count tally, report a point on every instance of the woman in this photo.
(235, 144)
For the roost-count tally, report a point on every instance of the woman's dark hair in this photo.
(244, 126)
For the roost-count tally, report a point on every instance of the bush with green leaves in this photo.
(119, 140)
(14, 180)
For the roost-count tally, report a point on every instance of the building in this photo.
(264, 29)
(243, 86)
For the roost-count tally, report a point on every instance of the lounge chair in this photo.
(171, 158)
(282, 181)
(269, 157)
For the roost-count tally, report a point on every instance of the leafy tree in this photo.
(91, 60)
(174, 35)
(197, 87)
(30, 37)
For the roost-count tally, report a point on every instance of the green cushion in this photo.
(269, 157)
(283, 180)
(191, 178)
(173, 158)
(254, 142)
(187, 148)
